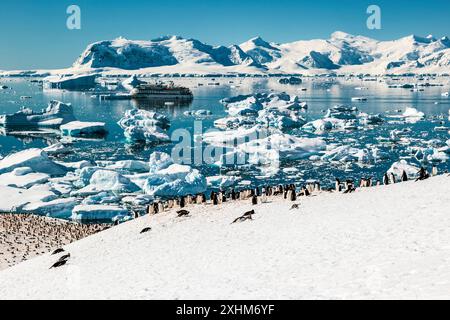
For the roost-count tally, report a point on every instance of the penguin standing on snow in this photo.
(393, 180)
(215, 199)
(233, 195)
(254, 200)
(404, 176)
(385, 179)
(182, 202)
(338, 185)
(293, 196)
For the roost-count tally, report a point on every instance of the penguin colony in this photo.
(25, 236)
(289, 192)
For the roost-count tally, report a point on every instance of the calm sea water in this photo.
(320, 95)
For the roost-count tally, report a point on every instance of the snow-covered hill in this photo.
(389, 242)
(342, 53)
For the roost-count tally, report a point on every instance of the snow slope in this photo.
(385, 242)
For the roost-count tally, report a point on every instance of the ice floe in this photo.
(98, 212)
(83, 129)
(145, 126)
(401, 166)
(56, 114)
(36, 159)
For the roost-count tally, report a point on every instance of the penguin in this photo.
(59, 264)
(182, 202)
(249, 213)
(145, 230)
(338, 185)
(404, 176)
(385, 179)
(215, 199)
(203, 198)
(211, 196)
(58, 251)
(183, 213)
(293, 196)
(160, 207)
(317, 187)
(378, 183)
(156, 207)
(393, 180)
(258, 192)
(65, 257)
(233, 195)
(295, 206)
(254, 200)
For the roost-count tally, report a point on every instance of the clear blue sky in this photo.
(34, 33)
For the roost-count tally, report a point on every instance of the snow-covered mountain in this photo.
(341, 53)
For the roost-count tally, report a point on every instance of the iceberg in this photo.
(97, 212)
(83, 129)
(36, 159)
(145, 126)
(74, 82)
(222, 182)
(159, 161)
(56, 114)
(350, 154)
(397, 169)
(106, 180)
(58, 208)
(14, 199)
(176, 180)
(23, 178)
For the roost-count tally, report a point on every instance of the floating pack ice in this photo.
(278, 110)
(83, 129)
(411, 115)
(55, 115)
(342, 117)
(351, 154)
(145, 126)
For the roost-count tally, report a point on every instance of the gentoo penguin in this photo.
(156, 207)
(203, 198)
(295, 206)
(404, 176)
(183, 213)
(65, 257)
(58, 251)
(393, 180)
(254, 200)
(338, 185)
(293, 196)
(160, 207)
(385, 179)
(249, 213)
(258, 192)
(146, 230)
(182, 202)
(211, 196)
(317, 187)
(233, 194)
(378, 183)
(58, 264)
(215, 199)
